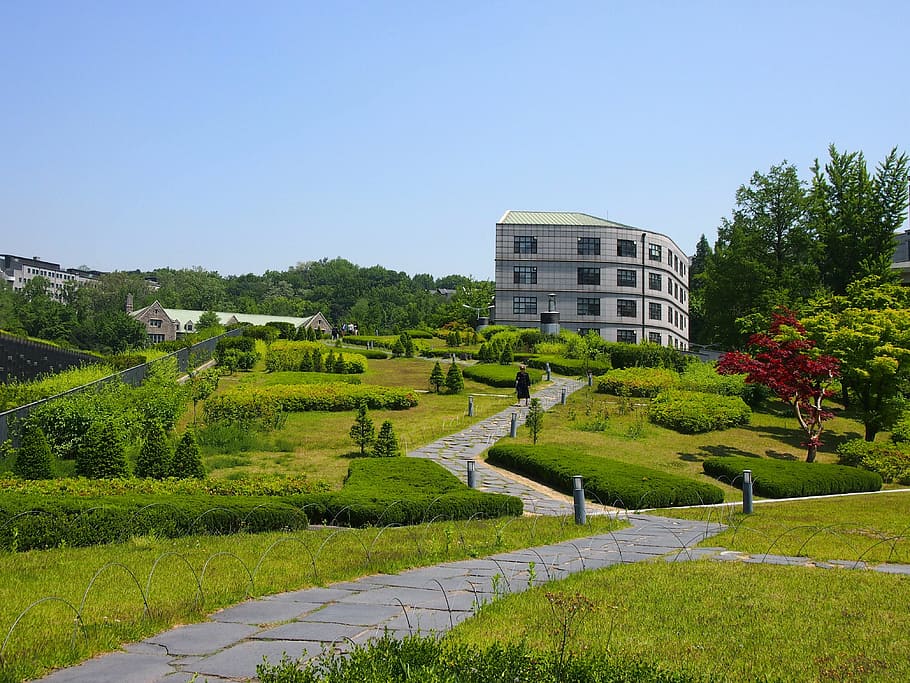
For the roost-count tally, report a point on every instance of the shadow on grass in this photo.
(716, 452)
(777, 455)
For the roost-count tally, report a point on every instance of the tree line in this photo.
(94, 317)
(790, 241)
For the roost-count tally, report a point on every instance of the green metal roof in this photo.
(557, 218)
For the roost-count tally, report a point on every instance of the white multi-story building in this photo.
(627, 284)
(18, 270)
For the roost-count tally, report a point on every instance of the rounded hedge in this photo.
(693, 412)
(609, 482)
(792, 478)
(641, 382)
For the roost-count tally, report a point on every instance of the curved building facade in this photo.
(628, 284)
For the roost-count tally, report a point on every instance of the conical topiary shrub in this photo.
(187, 463)
(34, 459)
(154, 461)
(100, 455)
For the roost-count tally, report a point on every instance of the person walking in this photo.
(523, 385)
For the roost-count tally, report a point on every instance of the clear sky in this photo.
(245, 137)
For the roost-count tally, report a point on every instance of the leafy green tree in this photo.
(202, 384)
(454, 379)
(855, 214)
(764, 258)
(34, 459)
(397, 348)
(386, 442)
(868, 329)
(187, 462)
(534, 420)
(208, 320)
(437, 378)
(363, 433)
(100, 455)
(154, 459)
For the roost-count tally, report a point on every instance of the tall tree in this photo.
(786, 361)
(763, 258)
(855, 214)
(697, 266)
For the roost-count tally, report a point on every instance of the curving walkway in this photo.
(232, 642)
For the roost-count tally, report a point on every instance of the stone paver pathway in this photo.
(232, 642)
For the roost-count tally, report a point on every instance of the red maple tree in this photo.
(786, 361)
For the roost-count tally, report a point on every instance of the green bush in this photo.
(430, 660)
(608, 481)
(705, 378)
(642, 382)
(693, 412)
(237, 406)
(240, 344)
(495, 375)
(52, 521)
(14, 393)
(890, 461)
(645, 356)
(573, 367)
(101, 454)
(386, 445)
(247, 408)
(791, 478)
(900, 432)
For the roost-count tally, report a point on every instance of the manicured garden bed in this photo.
(793, 479)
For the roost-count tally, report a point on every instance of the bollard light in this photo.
(747, 492)
(472, 474)
(470, 406)
(578, 494)
(548, 371)
(562, 396)
(513, 429)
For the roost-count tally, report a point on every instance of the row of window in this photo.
(527, 275)
(631, 337)
(590, 246)
(53, 274)
(625, 308)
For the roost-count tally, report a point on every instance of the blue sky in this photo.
(245, 137)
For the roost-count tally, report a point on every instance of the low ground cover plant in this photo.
(263, 485)
(15, 393)
(496, 375)
(641, 382)
(609, 482)
(312, 356)
(694, 412)
(793, 479)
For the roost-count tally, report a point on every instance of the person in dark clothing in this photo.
(523, 385)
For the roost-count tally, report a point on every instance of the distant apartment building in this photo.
(19, 270)
(625, 283)
(900, 262)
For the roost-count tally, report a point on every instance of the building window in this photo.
(654, 311)
(589, 276)
(669, 286)
(525, 244)
(626, 336)
(524, 275)
(155, 338)
(654, 281)
(626, 278)
(588, 306)
(524, 305)
(654, 252)
(626, 308)
(189, 327)
(654, 337)
(589, 246)
(154, 322)
(626, 248)
(582, 331)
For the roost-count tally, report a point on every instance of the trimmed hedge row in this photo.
(34, 521)
(238, 406)
(645, 356)
(80, 487)
(693, 412)
(570, 366)
(642, 382)
(312, 356)
(403, 491)
(793, 479)
(495, 375)
(608, 481)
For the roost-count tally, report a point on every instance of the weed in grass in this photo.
(567, 612)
